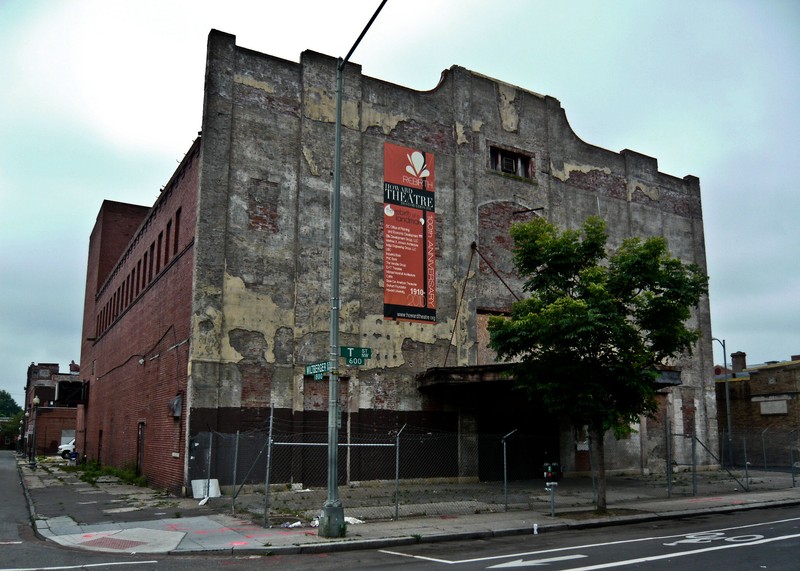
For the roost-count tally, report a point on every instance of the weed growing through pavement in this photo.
(92, 471)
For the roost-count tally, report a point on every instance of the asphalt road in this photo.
(746, 540)
(21, 549)
(758, 539)
(742, 540)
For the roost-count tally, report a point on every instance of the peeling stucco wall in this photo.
(261, 293)
(509, 117)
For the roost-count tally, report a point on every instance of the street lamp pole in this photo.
(331, 522)
(727, 399)
(33, 444)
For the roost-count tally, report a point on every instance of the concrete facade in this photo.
(260, 269)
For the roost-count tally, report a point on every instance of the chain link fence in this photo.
(409, 472)
(749, 459)
(399, 474)
(763, 449)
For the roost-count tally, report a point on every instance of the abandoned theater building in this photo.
(203, 310)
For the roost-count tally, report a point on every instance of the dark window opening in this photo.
(177, 232)
(511, 162)
(166, 242)
(158, 251)
(150, 265)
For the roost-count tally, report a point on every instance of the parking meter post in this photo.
(551, 487)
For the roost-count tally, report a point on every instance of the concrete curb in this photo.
(399, 534)
(351, 545)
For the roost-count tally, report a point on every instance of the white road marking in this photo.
(412, 556)
(83, 566)
(581, 547)
(681, 553)
(535, 562)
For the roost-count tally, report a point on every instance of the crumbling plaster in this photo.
(509, 116)
(287, 137)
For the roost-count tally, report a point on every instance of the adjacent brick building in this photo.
(55, 417)
(764, 402)
(202, 311)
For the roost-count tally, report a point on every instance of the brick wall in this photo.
(136, 329)
(751, 395)
(50, 422)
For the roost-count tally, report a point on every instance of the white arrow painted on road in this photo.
(534, 562)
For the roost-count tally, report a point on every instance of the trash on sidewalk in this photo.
(348, 520)
(205, 489)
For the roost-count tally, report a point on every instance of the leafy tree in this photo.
(8, 405)
(10, 428)
(589, 339)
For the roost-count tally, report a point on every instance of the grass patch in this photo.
(92, 471)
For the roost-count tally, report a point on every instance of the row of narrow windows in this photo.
(154, 259)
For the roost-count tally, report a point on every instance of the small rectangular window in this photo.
(158, 251)
(166, 242)
(511, 162)
(177, 232)
(150, 265)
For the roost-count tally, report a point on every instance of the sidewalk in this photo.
(121, 518)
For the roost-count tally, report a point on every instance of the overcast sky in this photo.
(101, 99)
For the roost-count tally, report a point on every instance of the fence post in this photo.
(505, 467)
(397, 474)
(791, 451)
(269, 463)
(694, 456)
(208, 465)
(668, 438)
(235, 465)
(591, 470)
(746, 464)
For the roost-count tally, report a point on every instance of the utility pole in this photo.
(727, 400)
(331, 523)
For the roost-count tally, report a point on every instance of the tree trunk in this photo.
(599, 465)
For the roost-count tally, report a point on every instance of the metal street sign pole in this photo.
(331, 523)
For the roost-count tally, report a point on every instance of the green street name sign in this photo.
(361, 352)
(355, 356)
(316, 370)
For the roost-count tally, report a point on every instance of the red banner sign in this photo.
(409, 235)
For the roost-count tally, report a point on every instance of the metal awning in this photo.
(443, 377)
